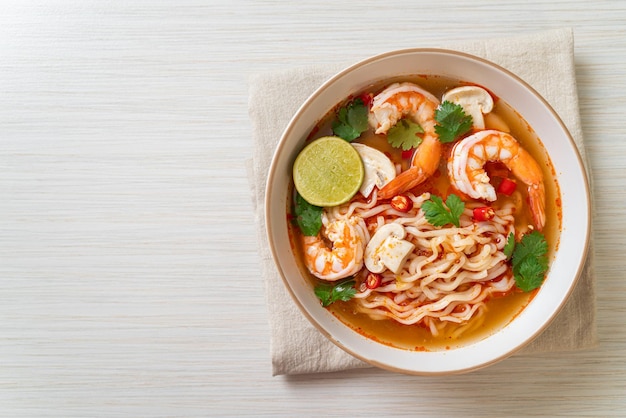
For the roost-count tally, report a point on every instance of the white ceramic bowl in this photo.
(565, 267)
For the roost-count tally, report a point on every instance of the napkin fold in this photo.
(545, 60)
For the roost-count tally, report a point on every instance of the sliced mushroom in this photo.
(387, 249)
(379, 170)
(474, 100)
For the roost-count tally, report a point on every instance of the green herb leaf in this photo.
(328, 293)
(529, 275)
(452, 121)
(404, 134)
(509, 246)
(530, 262)
(531, 245)
(439, 215)
(351, 120)
(308, 217)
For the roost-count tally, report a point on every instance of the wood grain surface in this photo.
(129, 281)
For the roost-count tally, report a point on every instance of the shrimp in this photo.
(347, 237)
(388, 107)
(467, 174)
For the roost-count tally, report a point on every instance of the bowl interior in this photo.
(565, 267)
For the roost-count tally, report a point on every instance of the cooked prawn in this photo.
(388, 107)
(345, 257)
(467, 173)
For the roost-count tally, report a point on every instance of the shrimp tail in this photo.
(537, 203)
(403, 182)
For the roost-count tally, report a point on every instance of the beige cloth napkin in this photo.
(545, 60)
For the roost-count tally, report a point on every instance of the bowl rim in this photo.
(273, 172)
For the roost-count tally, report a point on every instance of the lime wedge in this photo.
(328, 172)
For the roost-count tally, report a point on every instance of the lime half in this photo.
(328, 171)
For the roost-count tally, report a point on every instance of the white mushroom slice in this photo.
(474, 100)
(379, 170)
(387, 249)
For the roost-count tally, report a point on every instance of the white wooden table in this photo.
(129, 281)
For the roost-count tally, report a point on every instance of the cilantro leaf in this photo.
(530, 262)
(342, 128)
(351, 120)
(308, 217)
(328, 293)
(509, 246)
(404, 134)
(439, 215)
(529, 275)
(452, 121)
(531, 245)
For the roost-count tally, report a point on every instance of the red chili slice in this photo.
(507, 186)
(401, 203)
(373, 280)
(367, 99)
(407, 154)
(484, 213)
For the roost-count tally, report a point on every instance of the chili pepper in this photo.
(507, 186)
(401, 203)
(484, 213)
(373, 280)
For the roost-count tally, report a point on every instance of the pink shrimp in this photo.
(467, 174)
(388, 107)
(345, 257)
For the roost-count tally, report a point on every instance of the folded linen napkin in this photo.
(545, 60)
